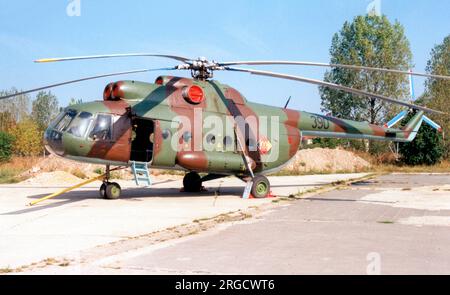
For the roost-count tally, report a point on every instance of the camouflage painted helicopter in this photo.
(200, 125)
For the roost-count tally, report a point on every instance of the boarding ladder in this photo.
(141, 173)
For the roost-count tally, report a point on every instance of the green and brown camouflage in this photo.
(204, 136)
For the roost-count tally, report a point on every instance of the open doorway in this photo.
(142, 140)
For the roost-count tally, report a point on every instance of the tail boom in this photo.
(329, 127)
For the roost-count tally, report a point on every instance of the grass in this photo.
(386, 222)
(9, 175)
(383, 163)
(99, 171)
(157, 172)
(10, 172)
(443, 167)
(319, 172)
(6, 270)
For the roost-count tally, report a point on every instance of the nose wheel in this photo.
(109, 190)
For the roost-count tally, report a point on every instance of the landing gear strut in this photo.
(192, 182)
(109, 190)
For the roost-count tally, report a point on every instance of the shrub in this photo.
(426, 149)
(28, 139)
(6, 146)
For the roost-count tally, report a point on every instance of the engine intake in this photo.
(127, 90)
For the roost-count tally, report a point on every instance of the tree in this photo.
(73, 101)
(45, 108)
(28, 138)
(374, 42)
(18, 107)
(425, 149)
(6, 121)
(437, 92)
(6, 146)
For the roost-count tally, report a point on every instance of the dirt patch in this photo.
(42, 166)
(53, 163)
(53, 179)
(321, 160)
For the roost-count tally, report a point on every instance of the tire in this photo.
(113, 191)
(192, 182)
(102, 191)
(261, 187)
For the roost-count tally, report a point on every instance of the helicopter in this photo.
(202, 126)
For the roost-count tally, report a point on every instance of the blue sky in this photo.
(220, 30)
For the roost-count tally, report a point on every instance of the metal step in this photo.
(141, 173)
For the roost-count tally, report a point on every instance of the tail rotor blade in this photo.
(85, 79)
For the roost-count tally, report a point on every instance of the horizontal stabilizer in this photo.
(396, 119)
(432, 124)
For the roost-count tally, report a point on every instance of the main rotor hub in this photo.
(201, 68)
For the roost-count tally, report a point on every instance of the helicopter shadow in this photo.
(128, 194)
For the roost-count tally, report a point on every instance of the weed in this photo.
(99, 171)
(50, 261)
(78, 173)
(386, 222)
(64, 264)
(6, 270)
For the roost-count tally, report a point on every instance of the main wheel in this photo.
(102, 190)
(261, 187)
(113, 191)
(192, 182)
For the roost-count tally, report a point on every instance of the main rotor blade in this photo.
(45, 60)
(85, 79)
(317, 64)
(333, 86)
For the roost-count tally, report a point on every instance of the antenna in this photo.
(287, 102)
(411, 87)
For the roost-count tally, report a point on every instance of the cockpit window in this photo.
(103, 128)
(65, 121)
(80, 124)
(57, 119)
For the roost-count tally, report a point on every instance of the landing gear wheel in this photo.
(261, 187)
(192, 182)
(113, 191)
(102, 190)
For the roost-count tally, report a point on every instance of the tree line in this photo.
(23, 121)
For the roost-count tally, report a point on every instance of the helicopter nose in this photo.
(53, 141)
